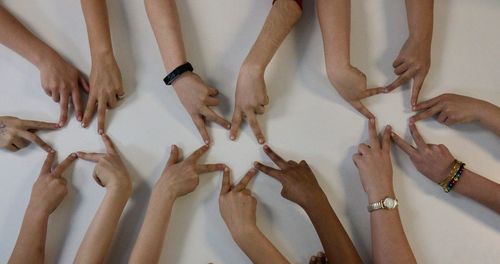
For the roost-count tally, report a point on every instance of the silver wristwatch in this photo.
(387, 203)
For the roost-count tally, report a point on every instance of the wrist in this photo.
(165, 196)
(103, 57)
(245, 233)
(122, 191)
(381, 193)
(486, 110)
(36, 213)
(316, 204)
(252, 68)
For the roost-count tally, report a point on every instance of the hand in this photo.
(110, 172)
(433, 161)
(299, 183)
(16, 133)
(237, 205)
(197, 98)
(62, 81)
(250, 100)
(350, 83)
(413, 62)
(450, 109)
(181, 177)
(106, 90)
(320, 258)
(50, 188)
(374, 164)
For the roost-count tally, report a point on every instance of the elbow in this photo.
(292, 8)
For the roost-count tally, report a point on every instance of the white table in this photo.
(306, 120)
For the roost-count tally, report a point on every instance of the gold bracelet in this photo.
(453, 171)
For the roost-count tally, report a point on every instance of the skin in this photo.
(451, 109)
(373, 160)
(435, 163)
(110, 173)
(179, 178)
(320, 258)
(196, 96)
(335, 23)
(47, 193)
(59, 79)
(106, 87)
(16, 133)
(251, 93)
(238, 210)
(301, 187)
(414, 59)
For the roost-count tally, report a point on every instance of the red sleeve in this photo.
(298, 2)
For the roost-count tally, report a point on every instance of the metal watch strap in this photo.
(375, 206)
(170, 78)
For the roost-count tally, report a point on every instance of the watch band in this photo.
(388, 203)
(375, 206)
(170, 78)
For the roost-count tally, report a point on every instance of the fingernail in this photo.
(207, 141)
(61, 124)
(226, 169)
(101, 132)
(414, 108)
(266, 147)
(388, 127)
(74, 155)
(51, 150)
(79, 118)
(228, 126)
(261, 141)
(83, 124)
(232, 137)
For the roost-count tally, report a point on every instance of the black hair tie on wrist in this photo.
(170, 78)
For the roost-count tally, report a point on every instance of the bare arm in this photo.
(479, 189)
(489, 117)
(30, 245)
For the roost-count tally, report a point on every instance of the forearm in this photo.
(164, 19)
(30, 245)
(96, 19)
(336, 243)
(149, 243)
(389, 243)
(420, 20)
(17, 38)
(258, 248)
(97, 240)
(489, 117)
(280, 21)
(479, 189)
(335, 23)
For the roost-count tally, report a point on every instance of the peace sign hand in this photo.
(237, 205)
(16, 133)
(433, 161)
(181, 177)
(299, 183)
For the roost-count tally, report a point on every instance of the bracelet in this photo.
(453, 171)
(170, 78)
(453, 181)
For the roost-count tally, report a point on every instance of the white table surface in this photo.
(306, 120)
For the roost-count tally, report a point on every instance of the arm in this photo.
(490, 117)
(300, 186)
(196, 96)
(47, 194)
(110, 172)
(335, 23)
(105, 77)
(414, 59)
(179, 178)
(479, 189)
(251, 94)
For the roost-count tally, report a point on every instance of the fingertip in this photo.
(261, 140)
(266, 147)
(101, 131)
(226, 168)
(232, 137)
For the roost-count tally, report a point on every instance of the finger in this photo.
(363, 149)
(77, 103)
(94, 157)
(56, 97)
(402, 144)
(268, 170)
(254, 124)
(417, 137)
(38, 125)
(58, 171)
(442, 117)
(372, 132)
(427, 113)
(398, 61)
(210, 168)
(235, 124)
(84, 83)
(196, 155)
(174, 155)
(226, 181)
(20, 142)
(398, 82)
(386, 140)
(245, 180)
(89, 111)
(372, 92)
(101, 115)
(200, 125)
(110, 146)
(260, 110)
(402, 68)
(418, 81)
(35, 139)
(112, 101)
(362, 109)
(212, 116)
(275, 157)
(63, 104)
(213, 91)
(211, 101)
(427, 104)
(47, 164)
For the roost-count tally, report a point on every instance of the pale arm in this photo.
(479, 189)
(489, 117)
(96, 19)
(30, 245)
(258, 248)
(420, 20)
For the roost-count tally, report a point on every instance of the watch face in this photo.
(390, 203)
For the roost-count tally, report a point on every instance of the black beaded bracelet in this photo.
(170, 78)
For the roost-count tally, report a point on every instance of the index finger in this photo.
(402, 144)
(235, 124)
(38, 125)
(275, 157)
(58, 171)
(428, 103)
(35, 139)
(372, 131)
(198, 153)
(47, 164)
(254, 124)
(210, 167)
(417, 137)
(226, 181)
(101, 115)
(418, 81)
(212, 116)
(372, 92)
(396, 83)
(427, 113)
(360, 107)
(63, 105)
(245, 180)
(110, 147)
